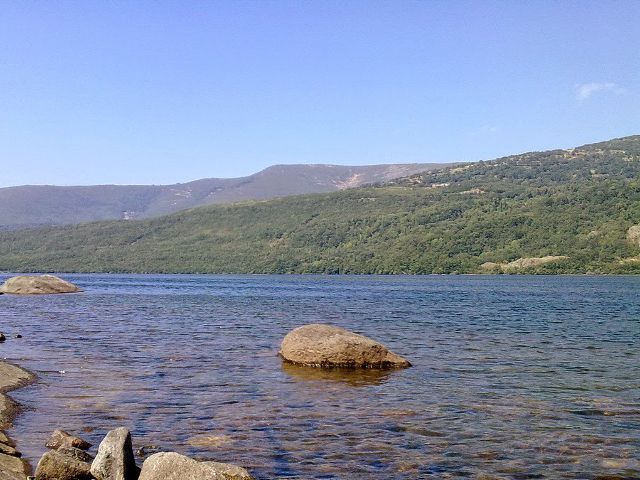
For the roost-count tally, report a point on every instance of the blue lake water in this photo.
(514, 377)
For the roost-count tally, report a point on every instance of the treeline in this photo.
(578, 203)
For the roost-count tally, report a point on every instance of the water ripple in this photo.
(513, 377)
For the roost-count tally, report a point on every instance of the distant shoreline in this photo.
(324, 275)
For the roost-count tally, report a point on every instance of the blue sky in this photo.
(161, 92)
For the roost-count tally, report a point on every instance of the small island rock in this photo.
(37, 284)
(318, 345)
(173, 466)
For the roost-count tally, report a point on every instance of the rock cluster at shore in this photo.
(12, 467)
(68, 458)
(115, 461)
(319, 345)
(37, 284)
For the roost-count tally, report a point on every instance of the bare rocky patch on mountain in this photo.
(521, 264)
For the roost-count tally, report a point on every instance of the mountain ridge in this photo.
(571, 211)
(33, 205)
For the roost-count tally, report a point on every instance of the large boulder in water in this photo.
(319, 345)
(173, 466)
(32, 284)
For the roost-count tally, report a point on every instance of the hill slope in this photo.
(52, 205)
(562, 211)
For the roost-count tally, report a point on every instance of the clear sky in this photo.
(163, 91)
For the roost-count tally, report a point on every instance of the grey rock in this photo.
(12, 377)
(76, 453)
(55, 466)
(8, 450)
(114, 460)
(318, 345)
(60, 438)
(10, 463)
(13, 476)
(6, 440)
(230, 471)
(2, 337)
(173, 466)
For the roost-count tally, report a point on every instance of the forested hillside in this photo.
(562, 211)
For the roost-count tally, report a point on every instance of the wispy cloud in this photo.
(585, 91)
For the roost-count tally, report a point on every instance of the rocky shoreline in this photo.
(67, 458)
(12, 377)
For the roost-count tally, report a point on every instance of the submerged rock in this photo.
(355, 377)
(114, 460)
(55, 465)
(60, 439)
(319, 345)
(173, 466)
(209, 441)
(40, 284)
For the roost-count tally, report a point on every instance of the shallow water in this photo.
(514, 377)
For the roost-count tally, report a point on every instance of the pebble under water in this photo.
(514, 377)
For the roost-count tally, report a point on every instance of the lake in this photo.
(514, 377)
